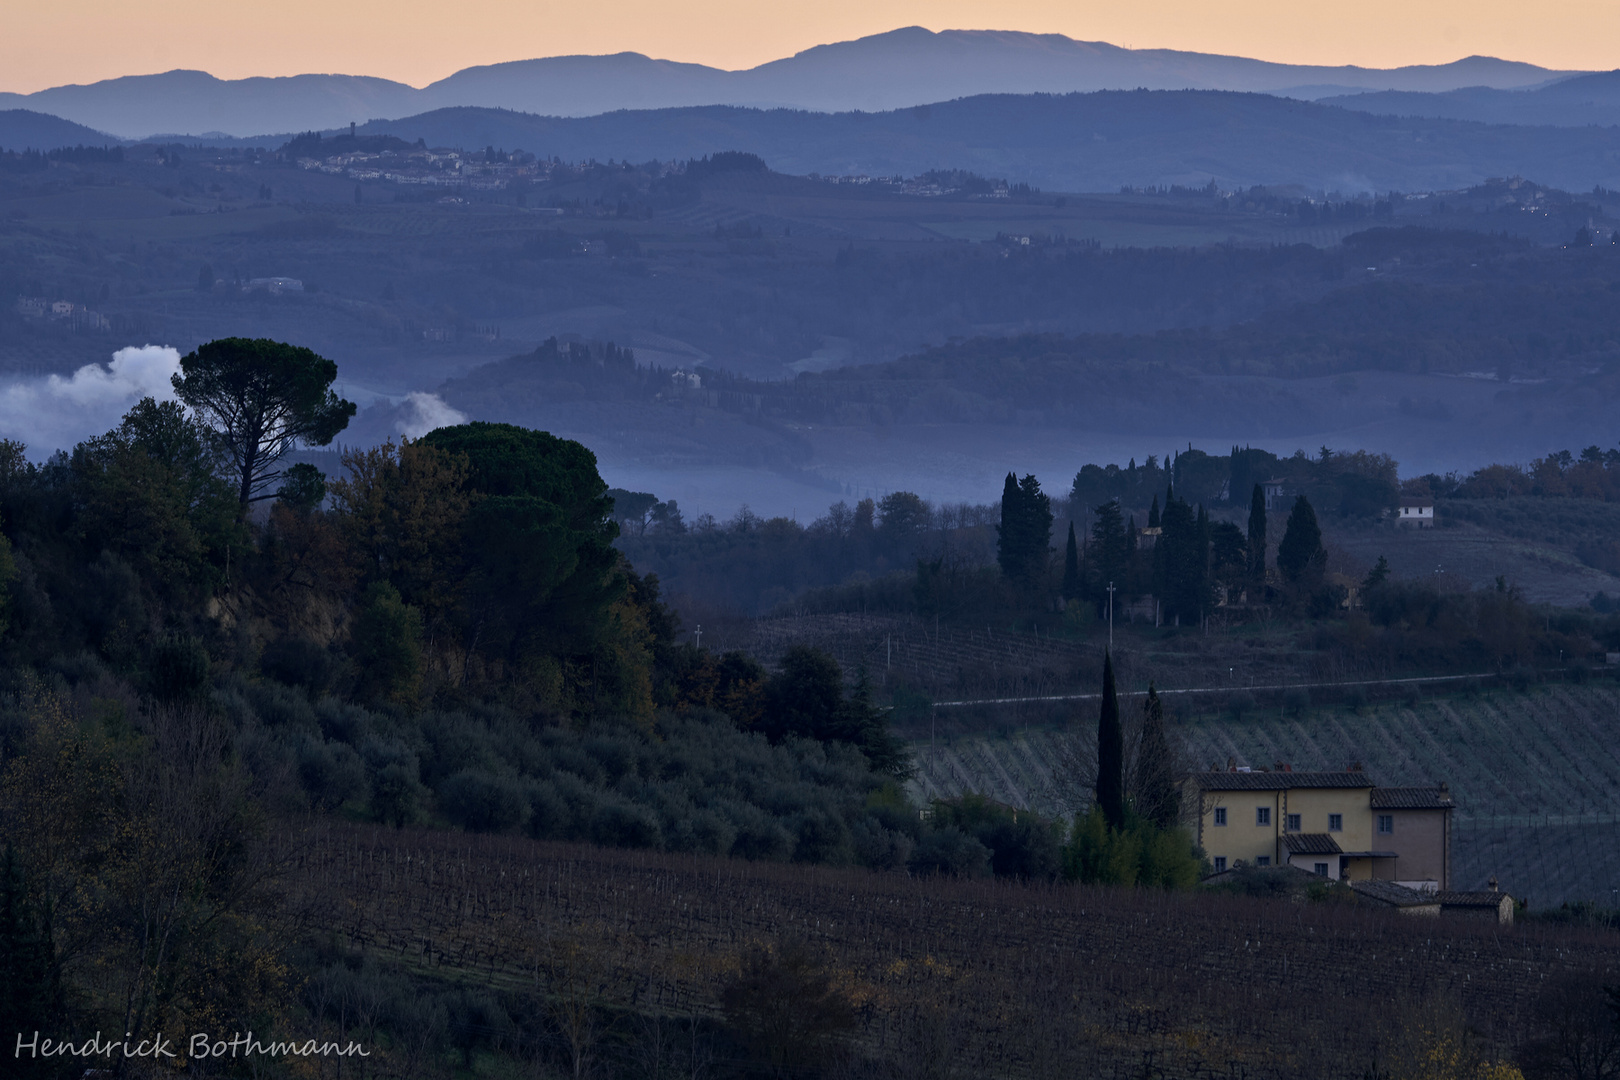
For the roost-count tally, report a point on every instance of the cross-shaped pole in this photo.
(699, 634)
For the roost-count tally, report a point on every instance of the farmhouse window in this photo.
(1335, 823)
(1291, 822)
(1386, 824)
(1220, 863)
(1321, 869)
(1263, 860)
(1262, 815)
(1220, 815)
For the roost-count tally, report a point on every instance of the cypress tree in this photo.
(1025, 535)
(1178, 562)
(1108, 542)
(1153, 512)
(1110, 752)
(1301, 556)
(1257, 539)
(1008, 550)
(1071, 567)
(1037, 511)
(1157, 799)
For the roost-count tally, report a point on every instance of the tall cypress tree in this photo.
(1025, 536)
(1157, 798)
(1153, 512)
(1037, 509)
(1301, 556)
(1071, 568)
(1108, 545)
(1009, 552)
(1110, 752)
(1257, 541)
(1178, 562)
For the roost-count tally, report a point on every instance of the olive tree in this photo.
(261, 398)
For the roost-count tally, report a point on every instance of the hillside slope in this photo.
(21, 129)
(1074, 142)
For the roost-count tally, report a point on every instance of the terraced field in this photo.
(1536, 774)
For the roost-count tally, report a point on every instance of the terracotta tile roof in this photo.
(1411, 798)
(1311, 844)
(1279, 781)
(1387, 892)
(1486, 899)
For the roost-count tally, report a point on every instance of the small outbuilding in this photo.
(1399, 898)
(1488, 904)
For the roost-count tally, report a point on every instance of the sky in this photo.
(418, 41)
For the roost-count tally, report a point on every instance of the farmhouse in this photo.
(1419, 513)
(1275, 492)
(1336, 824)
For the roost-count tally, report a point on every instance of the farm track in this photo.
(1003, 979)
(1536, 775)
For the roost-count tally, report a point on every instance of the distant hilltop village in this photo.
(75, 317)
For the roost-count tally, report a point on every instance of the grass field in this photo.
(1536, 775)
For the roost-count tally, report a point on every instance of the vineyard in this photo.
(947, 662)
(949, 978)
(1536, 774)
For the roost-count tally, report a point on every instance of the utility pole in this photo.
(1110, 616)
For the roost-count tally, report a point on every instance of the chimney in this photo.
(1444, 790)
(1277, 766)
(1355, 766)
(1492, 884)
(1231, 764)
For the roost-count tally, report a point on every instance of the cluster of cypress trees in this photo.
(1192, 556)
(1024, 536)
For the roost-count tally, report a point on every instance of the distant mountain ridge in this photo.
(893, 70)
(1072, 142)
(1574, 102)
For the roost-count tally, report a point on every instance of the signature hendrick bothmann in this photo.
(201, 1045)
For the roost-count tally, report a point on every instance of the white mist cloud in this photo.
(54, 413)
(421, 412)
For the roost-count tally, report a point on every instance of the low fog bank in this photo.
(55, 413)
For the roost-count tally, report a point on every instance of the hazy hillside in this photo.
(1076, 142)
(898, 69)
(21, 129)
(1577, 102)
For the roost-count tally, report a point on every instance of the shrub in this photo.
(481, 802)
(624, 824)
(332, 773)
(880, 848)
(1139, 854)
(178, 670)
(300, 662)
(822, 838)
(951, 852)
(786, 1009)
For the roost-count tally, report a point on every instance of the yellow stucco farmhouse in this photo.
(1337, 824)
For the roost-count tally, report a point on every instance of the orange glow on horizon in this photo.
(416, 42)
